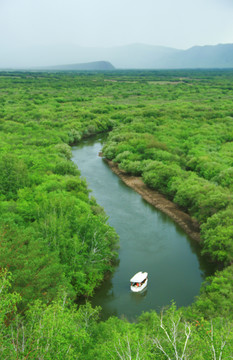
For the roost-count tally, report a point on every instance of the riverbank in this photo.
(159, 201)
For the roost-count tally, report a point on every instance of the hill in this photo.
(219, 56)
(96, 65)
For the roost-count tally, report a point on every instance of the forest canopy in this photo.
(172, 128)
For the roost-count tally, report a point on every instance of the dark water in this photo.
(149, 241)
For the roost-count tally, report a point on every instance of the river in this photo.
(149, 241)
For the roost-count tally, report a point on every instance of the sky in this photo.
(108, 23)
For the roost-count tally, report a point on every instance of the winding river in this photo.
(149, 241)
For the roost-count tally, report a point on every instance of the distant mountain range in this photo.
(134, 56)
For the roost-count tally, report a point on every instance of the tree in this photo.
(13, 175)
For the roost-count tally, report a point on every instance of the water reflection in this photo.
(137, 298)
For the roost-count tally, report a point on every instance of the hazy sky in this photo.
(175, 23)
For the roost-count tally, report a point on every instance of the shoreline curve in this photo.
(159, 201)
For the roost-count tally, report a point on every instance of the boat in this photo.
(139, 281)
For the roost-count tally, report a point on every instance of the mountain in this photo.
(218, 56)
(96, 65)
(156, 57)
(134, 56)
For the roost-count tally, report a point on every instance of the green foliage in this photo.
(173, 128)
(8, 301)
(56, 331)
(217, 233)
(60, 330)
(65, 150)
(36, 271)
(200, 197)
(132, 167)
(8, 308)
(159, 176)
(53, 235)
(216, 296)
(182, 147)
(13, 175)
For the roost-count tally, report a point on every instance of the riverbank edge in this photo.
(159, 201)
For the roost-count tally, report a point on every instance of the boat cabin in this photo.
(139, 281)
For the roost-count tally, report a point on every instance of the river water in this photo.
(149, 241)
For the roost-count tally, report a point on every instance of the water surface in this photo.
(149, 241)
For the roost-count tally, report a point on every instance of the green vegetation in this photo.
(175, 129)
(53, 234)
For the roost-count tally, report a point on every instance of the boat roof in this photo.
(139, 277)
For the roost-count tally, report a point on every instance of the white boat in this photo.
(139, 281)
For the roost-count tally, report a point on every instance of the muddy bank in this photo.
(159, 201)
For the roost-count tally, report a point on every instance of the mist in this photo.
(47, 32)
